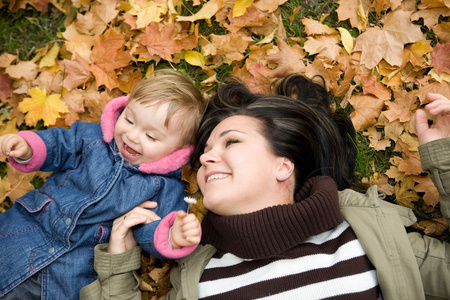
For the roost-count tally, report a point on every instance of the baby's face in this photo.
(141, 136)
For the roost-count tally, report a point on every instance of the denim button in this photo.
(51, 250)
(68, 221)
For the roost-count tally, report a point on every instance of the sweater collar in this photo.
(274, 230)
(167, 164)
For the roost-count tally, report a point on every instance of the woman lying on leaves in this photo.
(283, 223)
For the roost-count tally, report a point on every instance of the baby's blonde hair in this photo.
(169, 86)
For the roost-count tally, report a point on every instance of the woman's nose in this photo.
(208, 158)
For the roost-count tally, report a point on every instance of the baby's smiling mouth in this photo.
(129, 152)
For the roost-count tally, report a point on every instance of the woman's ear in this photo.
(285, 168)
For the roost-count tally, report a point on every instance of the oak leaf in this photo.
(367, 108)
(40, 106)
(387, 43)
(441, 58)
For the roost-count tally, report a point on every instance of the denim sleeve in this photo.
(64, 146)
(169, 198)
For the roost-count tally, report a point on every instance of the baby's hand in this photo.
(186, 230)
(15, 146)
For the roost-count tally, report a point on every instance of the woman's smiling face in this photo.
(239, 172)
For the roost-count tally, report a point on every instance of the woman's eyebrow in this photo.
(223, 133)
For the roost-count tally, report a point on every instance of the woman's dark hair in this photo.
(298, 123)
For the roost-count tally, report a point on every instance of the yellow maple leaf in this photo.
(240, 7)
(41, 106)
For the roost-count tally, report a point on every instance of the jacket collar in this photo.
(167, 164)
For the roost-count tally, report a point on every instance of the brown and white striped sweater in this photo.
(298, 251)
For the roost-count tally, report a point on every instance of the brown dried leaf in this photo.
(441, 58)
(367, 109)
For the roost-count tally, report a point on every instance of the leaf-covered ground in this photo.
(379, 58)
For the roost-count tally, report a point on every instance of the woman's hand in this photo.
(122, 238)
(439, 106)
(186, 230)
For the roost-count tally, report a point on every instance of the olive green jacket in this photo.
(408, 265)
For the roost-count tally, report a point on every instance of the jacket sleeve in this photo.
(58, 148)
(116, 278)
(161, 239)
(432, 255)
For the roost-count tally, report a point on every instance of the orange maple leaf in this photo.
(387, 43)
(77, 72)
(41, 106)
(107, 56)
(160, 42)
(441, 58)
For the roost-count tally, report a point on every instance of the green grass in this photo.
(27, 30)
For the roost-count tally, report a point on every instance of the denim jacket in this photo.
(55, 228)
